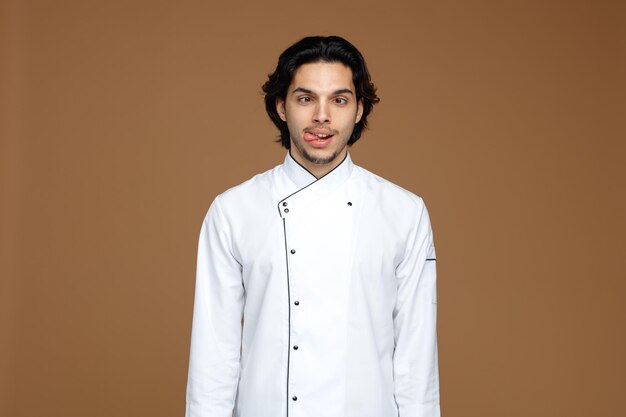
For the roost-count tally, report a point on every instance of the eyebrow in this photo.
(307, 91)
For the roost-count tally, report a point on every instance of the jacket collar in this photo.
(297, 173)
(310, 188)
(302, 177)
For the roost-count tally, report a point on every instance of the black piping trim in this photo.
(289, 306)
(395, 400)
(303, 167)
(294, 160)
(316, 179)
(287, 264)
(308, 185)
(431, 259)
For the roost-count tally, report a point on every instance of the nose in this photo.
(322, 113)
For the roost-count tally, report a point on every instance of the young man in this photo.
(330, 267)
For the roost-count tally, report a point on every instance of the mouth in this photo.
(318, 136)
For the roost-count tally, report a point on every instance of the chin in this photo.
(321, 158)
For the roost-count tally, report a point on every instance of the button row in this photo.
(297, 303)
(295, 347)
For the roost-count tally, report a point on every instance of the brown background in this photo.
(120, 122)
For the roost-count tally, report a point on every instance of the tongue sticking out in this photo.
(310, 137)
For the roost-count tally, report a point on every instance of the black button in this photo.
(349, 203)
(286, 210)
(284, 204)
(297, 303)
(293, 251)
(295, 347)
(294, 398)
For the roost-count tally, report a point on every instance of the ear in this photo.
(280, 108)
(359, 111)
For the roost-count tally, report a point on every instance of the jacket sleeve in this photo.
(415, 363)
(216, 330)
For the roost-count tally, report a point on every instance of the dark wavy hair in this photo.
(319, 49)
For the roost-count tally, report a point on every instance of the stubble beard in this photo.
(319, 160)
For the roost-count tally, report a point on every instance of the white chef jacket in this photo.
(334, 279)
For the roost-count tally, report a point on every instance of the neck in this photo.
(318, 170)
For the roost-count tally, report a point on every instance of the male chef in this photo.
(315, 288)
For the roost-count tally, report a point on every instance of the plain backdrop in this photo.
(121, 120)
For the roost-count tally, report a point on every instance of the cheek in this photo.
(349, 120)
(296, 115)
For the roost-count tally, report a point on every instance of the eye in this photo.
(341, 100)
(304, 99)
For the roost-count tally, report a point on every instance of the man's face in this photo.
(320, 109)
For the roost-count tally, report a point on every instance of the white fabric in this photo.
(358, 298)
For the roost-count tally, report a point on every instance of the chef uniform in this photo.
(334, 279)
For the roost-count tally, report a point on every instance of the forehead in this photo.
(323, 76)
